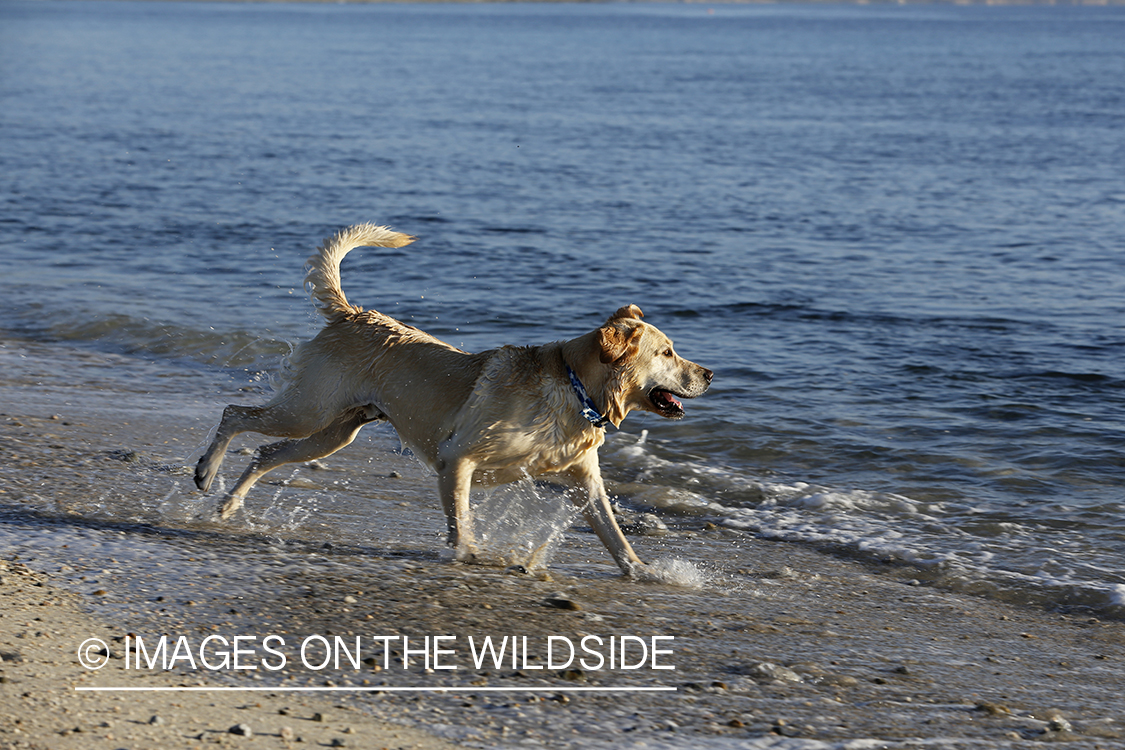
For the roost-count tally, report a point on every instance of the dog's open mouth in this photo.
(666, 403)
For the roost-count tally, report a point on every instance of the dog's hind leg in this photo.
(234, 422)
(289, 418)
(318, 445)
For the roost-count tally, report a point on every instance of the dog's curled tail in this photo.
(322, 279)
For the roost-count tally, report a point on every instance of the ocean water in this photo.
(896, 234)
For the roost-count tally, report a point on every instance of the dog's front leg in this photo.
(599, 514)
(455, 479)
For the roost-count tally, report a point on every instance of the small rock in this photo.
(574, 675)
(338, 742)
(287, 734)
(317, 466)
(651, 525)
(993, 709)
(767, 671)
(100, 592)
(318, 716)
(156, 721)
(242, 730)
(350, 600)
(1056, 722)
(836, 680)
(394, 475)
(559, 600)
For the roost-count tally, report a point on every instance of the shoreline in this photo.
(783, 643)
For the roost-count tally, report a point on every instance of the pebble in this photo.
(651, 525)
(242, 730)
(287, 734)
(318, 716)
(1056, 722)
(836, 680)
(559, 600)
(768, 671)
(156, 721)
(994, 709)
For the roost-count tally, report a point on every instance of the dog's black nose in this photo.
(707, 374)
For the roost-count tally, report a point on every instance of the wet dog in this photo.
(487, 418)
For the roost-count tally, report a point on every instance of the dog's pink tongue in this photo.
(668, 398)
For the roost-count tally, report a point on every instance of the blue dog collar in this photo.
(589, 409)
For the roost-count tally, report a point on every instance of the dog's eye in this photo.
(667, 352)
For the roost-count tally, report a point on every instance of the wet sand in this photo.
(784, 646)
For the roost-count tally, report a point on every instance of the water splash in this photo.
(521, 524)
(674, 571)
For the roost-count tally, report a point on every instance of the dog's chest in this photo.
(565, 453)
(547, 450)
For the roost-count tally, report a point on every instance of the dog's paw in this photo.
(229, 507)
(467, 553)
(204, 476)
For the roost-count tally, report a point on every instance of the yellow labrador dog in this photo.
(486, 418)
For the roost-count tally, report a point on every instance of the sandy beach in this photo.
(783, 646)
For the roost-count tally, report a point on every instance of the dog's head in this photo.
(646, 372)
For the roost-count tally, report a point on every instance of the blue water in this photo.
(897, 234)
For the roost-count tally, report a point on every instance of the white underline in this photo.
(382, 689)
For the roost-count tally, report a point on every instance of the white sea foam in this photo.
(958, 543)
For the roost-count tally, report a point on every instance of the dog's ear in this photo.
(618, 341)
(623, 313)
